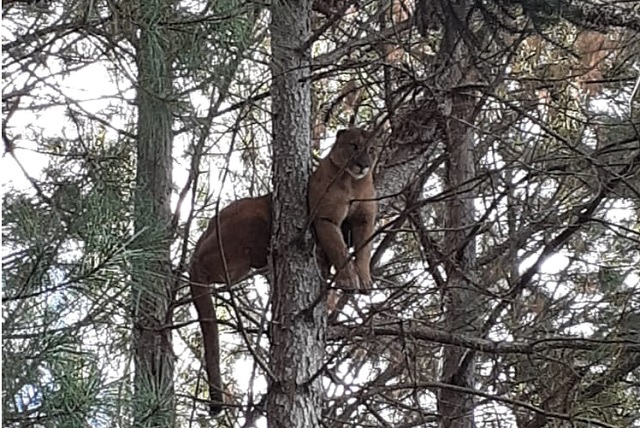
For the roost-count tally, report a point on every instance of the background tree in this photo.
(506, 279)
(151, 290)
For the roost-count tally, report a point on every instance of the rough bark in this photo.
(455, 407)
(298, 323)
(153, 402)
(459, 297)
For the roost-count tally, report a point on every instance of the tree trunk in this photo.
(298, 325)
(154, 400)
(460, 302)
(455, 407)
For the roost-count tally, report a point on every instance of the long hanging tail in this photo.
(201, 296)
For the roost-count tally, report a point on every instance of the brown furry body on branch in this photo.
(342, 206)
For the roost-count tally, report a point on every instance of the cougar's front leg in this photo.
(362, 228)
(329, 236)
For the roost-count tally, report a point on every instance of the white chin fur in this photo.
(359, 176)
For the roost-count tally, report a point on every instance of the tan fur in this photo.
(342, 203)
(226, 257)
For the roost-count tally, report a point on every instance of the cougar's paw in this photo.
(347, 279)
(332, 300)
(366, 283)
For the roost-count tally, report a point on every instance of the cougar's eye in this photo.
(354, 146)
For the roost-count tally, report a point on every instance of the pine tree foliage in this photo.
(65, 258)
(518, 311)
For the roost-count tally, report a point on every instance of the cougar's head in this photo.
(354, 151)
